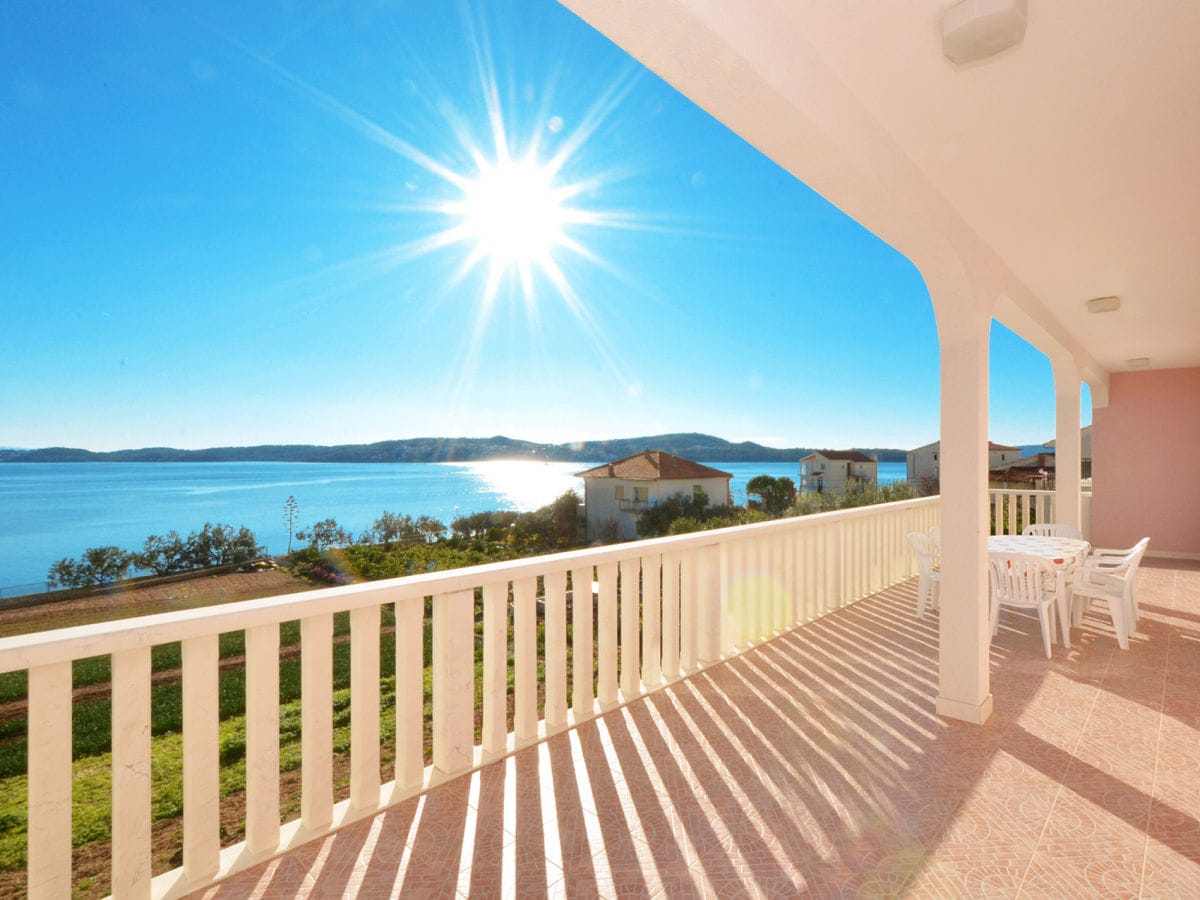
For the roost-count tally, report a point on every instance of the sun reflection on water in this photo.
(527, 485)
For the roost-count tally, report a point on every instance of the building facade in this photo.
(924, 463)
(835, 470)
(616, 493)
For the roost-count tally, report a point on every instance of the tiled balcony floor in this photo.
(815, 763)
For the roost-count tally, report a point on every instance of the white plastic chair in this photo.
(1109, 575)
(929, 580)
(1049, 529)
(1019, 580)
(1113, 559)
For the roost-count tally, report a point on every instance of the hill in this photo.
(693, 446)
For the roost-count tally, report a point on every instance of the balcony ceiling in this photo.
(1063, 169)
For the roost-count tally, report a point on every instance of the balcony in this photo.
(716, 746)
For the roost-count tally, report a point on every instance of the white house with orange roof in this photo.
(616, 493)
(835, 470)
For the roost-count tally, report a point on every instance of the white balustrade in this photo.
(1012, 510)
(641, 614)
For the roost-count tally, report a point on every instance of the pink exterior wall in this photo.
(1144, 471)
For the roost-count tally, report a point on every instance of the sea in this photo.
(49, 511)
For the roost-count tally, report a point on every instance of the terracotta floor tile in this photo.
(1091, 868)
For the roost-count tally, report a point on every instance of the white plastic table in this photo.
(1064, 554)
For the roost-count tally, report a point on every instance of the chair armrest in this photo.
(1086, 577)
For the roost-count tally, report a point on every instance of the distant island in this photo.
(701, 447)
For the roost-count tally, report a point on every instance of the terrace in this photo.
(712, 743)
(815, 762)
(752, 708)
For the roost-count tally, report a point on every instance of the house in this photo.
(1034, 472)
(616, 493)
(924, 467)
(836, 470)
(1085, 449)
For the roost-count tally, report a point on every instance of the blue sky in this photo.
(232, 223)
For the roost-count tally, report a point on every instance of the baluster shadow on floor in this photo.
(815, 762)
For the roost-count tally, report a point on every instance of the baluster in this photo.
(652, 621)
(713, 593)
(131, 812)
(582, 642)
(556, 649)
(495, 666)
(606, 634)
(49, 784)
(789, 586)
(364, 707)
(525, 715)
(201, 759)
(262, 740)
(689, 607)
(316, 718)
(670, 615)
(454, 681)
(410, 692)
(630, 620)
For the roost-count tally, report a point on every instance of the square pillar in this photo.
(964, 689)
(1067, 449)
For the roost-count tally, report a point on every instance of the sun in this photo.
(512, 213)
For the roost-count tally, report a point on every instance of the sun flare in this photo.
(512, 213)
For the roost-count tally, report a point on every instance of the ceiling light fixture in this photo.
(976, 29)
(1104, 304)
(1140, 362)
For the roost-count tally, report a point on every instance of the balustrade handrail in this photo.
(82, 641)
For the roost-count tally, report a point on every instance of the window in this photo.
(641, 494)
(619, 492)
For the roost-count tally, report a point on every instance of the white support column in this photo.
(964, 691)
(1067, 443)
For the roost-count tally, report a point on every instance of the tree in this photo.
(220, 545)
(490, 526)
(291, 510)
(774, 495)
(429, 529)
(66, 573)
(387, 529)
(656, 520)
(105, 565)
(162, 555)
(326, 533)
